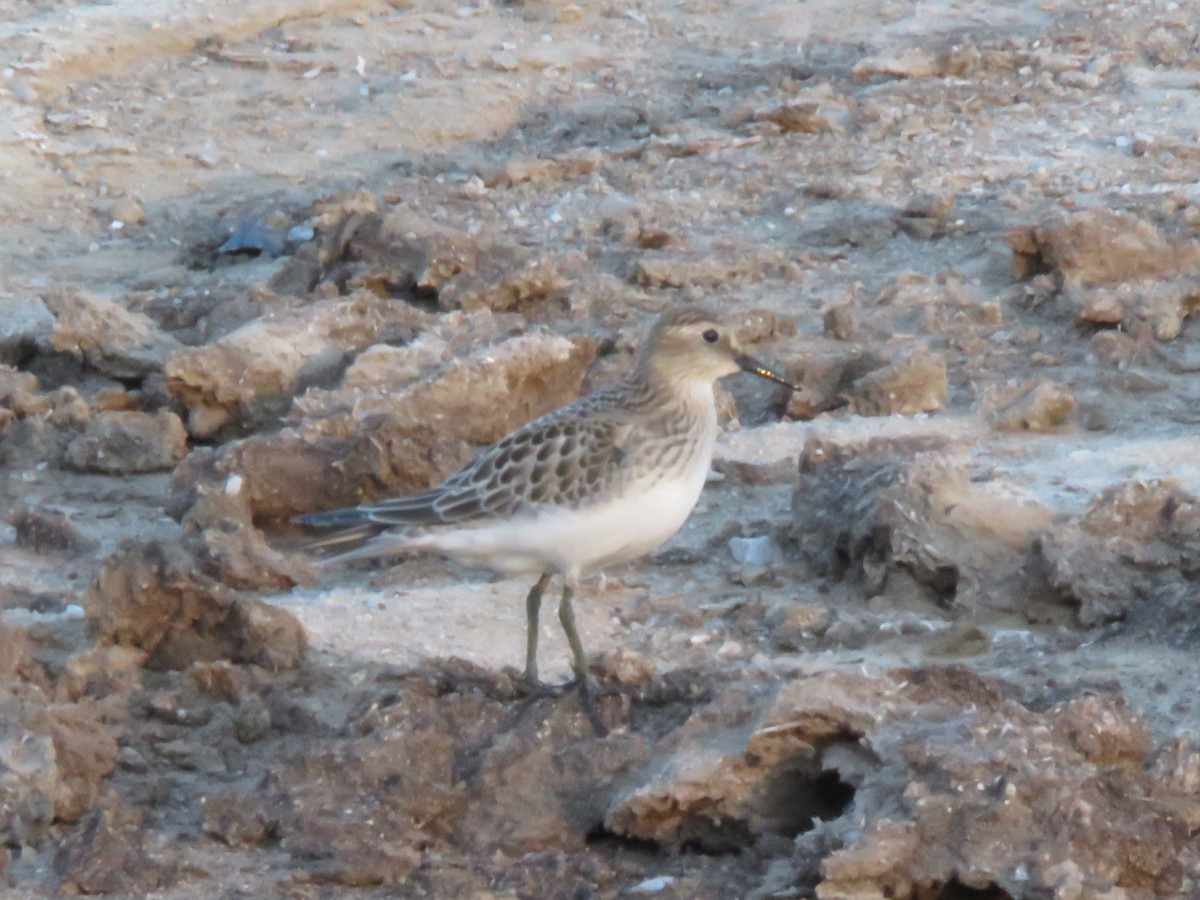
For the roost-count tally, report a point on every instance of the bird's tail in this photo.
(353, 538)
(345, 539)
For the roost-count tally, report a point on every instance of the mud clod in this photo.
(120, 442)
(1042, 406)
(907, 509)
(152, 596)
(48, 531)
(106, 336)
(1132, 553)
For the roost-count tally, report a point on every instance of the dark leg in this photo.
(533, 605)
(566, 615)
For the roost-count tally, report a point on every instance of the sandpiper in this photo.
(602, 480)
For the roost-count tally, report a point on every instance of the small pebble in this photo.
(653, 885)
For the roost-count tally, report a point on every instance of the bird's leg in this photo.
(566, 615)
(533, 605)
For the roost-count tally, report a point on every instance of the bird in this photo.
(602, 480)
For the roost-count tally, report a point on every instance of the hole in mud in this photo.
(424, 298)
(701, 835)
(944, 583)
(956, 890)
(600, 837)
(793, 798)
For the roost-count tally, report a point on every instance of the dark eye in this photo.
(711, 336)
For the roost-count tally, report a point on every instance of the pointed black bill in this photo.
(752, 365)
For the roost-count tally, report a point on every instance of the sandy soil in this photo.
(880, 159)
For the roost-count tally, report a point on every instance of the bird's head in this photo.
(691, 343)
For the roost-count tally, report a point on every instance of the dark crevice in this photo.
(600, 837)
(956, 890)
(794, 797)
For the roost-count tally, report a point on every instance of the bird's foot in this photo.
(533, 689)
(587, 700)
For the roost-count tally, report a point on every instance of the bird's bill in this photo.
(753, 366)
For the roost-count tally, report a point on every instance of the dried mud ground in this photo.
(931, 631)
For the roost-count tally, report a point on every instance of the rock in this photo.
(622, 666)
(916, 62)
(506, 282)
(757, 325)
(811, 112)
(27, 792)
(678, 270)
(107, 856)
(983, 808)
(406, 251)
(929, 206)
(927, 216)
(1101, 247)
(755, 551)
(55, 756)
(270, 637)
(381, 370)
(106, 336)
(1041, 406)
(127, 211)
(1164, 306)
(132, 761)
(227, 818)
(799, 625)
(696, 269)
(221, 679)
(1101, 308)
(386, 443)
(25, 324)
(218, 530)
(653, 885)
(746, 461)
(1176, 772)
(120, 442)
(256, 370)
(1114, 268)
(13, 651)
(17, 389)
(85, 753)
(101, 671)
(913, 384)
(961, 640)
(1133, 553)
(37, 427)
(852, 223)
(192, 756)
(252, 721)
(826, 374)
(152, 596)
(45, 530)
(839, 321)
(907, 507)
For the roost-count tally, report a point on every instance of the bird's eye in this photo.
(711, 336)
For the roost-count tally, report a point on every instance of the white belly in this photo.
(571, 541)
